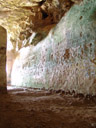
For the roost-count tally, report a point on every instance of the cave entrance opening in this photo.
(9, 65)
(11, 55)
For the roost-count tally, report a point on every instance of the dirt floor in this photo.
(30, 108)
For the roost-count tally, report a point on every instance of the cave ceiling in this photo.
(22, 18)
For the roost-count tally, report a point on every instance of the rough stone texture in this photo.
(3, 44)
(23, 18)
(66, 59)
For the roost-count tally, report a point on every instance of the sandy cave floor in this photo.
(31, 108)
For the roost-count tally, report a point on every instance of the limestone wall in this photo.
(66, 59)
(3, 41)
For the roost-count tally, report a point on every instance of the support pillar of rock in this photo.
(3, 44)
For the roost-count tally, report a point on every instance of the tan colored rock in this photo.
(19, 16)
(3, 45)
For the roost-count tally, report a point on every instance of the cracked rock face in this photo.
(25, 18)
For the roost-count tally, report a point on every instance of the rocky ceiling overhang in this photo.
(31, 18)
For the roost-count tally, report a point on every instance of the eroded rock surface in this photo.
(24, 18)
(66, 58)
(60, 58)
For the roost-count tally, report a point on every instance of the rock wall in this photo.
(66, 59)
(3, 44)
